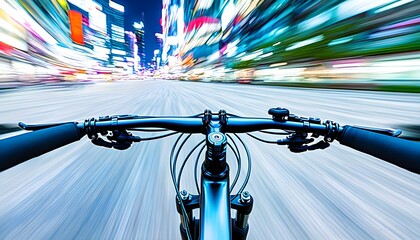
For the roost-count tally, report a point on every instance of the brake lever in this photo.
(125, 138)
(120, 140)
(295, 139)
(298, 142)
(289, 141)
(117, 145)
(303, 148)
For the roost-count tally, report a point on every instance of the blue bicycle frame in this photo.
(215, 220)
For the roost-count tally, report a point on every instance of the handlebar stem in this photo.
(215, 165)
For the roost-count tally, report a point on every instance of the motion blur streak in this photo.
(36, 45)
(85, 192)
(234, 40)
(309, 42)
(71, 67)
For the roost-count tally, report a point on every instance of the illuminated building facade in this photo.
(95, 34)
(191, 30)
(172, 32)
(132, 57)
(155, 63)
(261, 33)
(103, 27)
(115, 26)
(158, 57)
(44, 38)
(51, 16)
(139, 32)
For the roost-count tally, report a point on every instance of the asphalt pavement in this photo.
(82, 191)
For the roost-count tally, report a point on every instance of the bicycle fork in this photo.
(242, 203)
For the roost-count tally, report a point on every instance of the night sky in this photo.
(152, 13)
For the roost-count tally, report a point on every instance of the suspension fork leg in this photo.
(243, 205)
(190, 203)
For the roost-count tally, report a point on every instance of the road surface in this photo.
(82, 191)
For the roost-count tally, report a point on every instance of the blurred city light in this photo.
(138, 25)
(88, 37)
(265, 34)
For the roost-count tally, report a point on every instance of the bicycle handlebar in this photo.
(196, 125)
(15, 149)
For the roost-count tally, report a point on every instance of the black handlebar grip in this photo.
(17, 149)
(400, 152)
